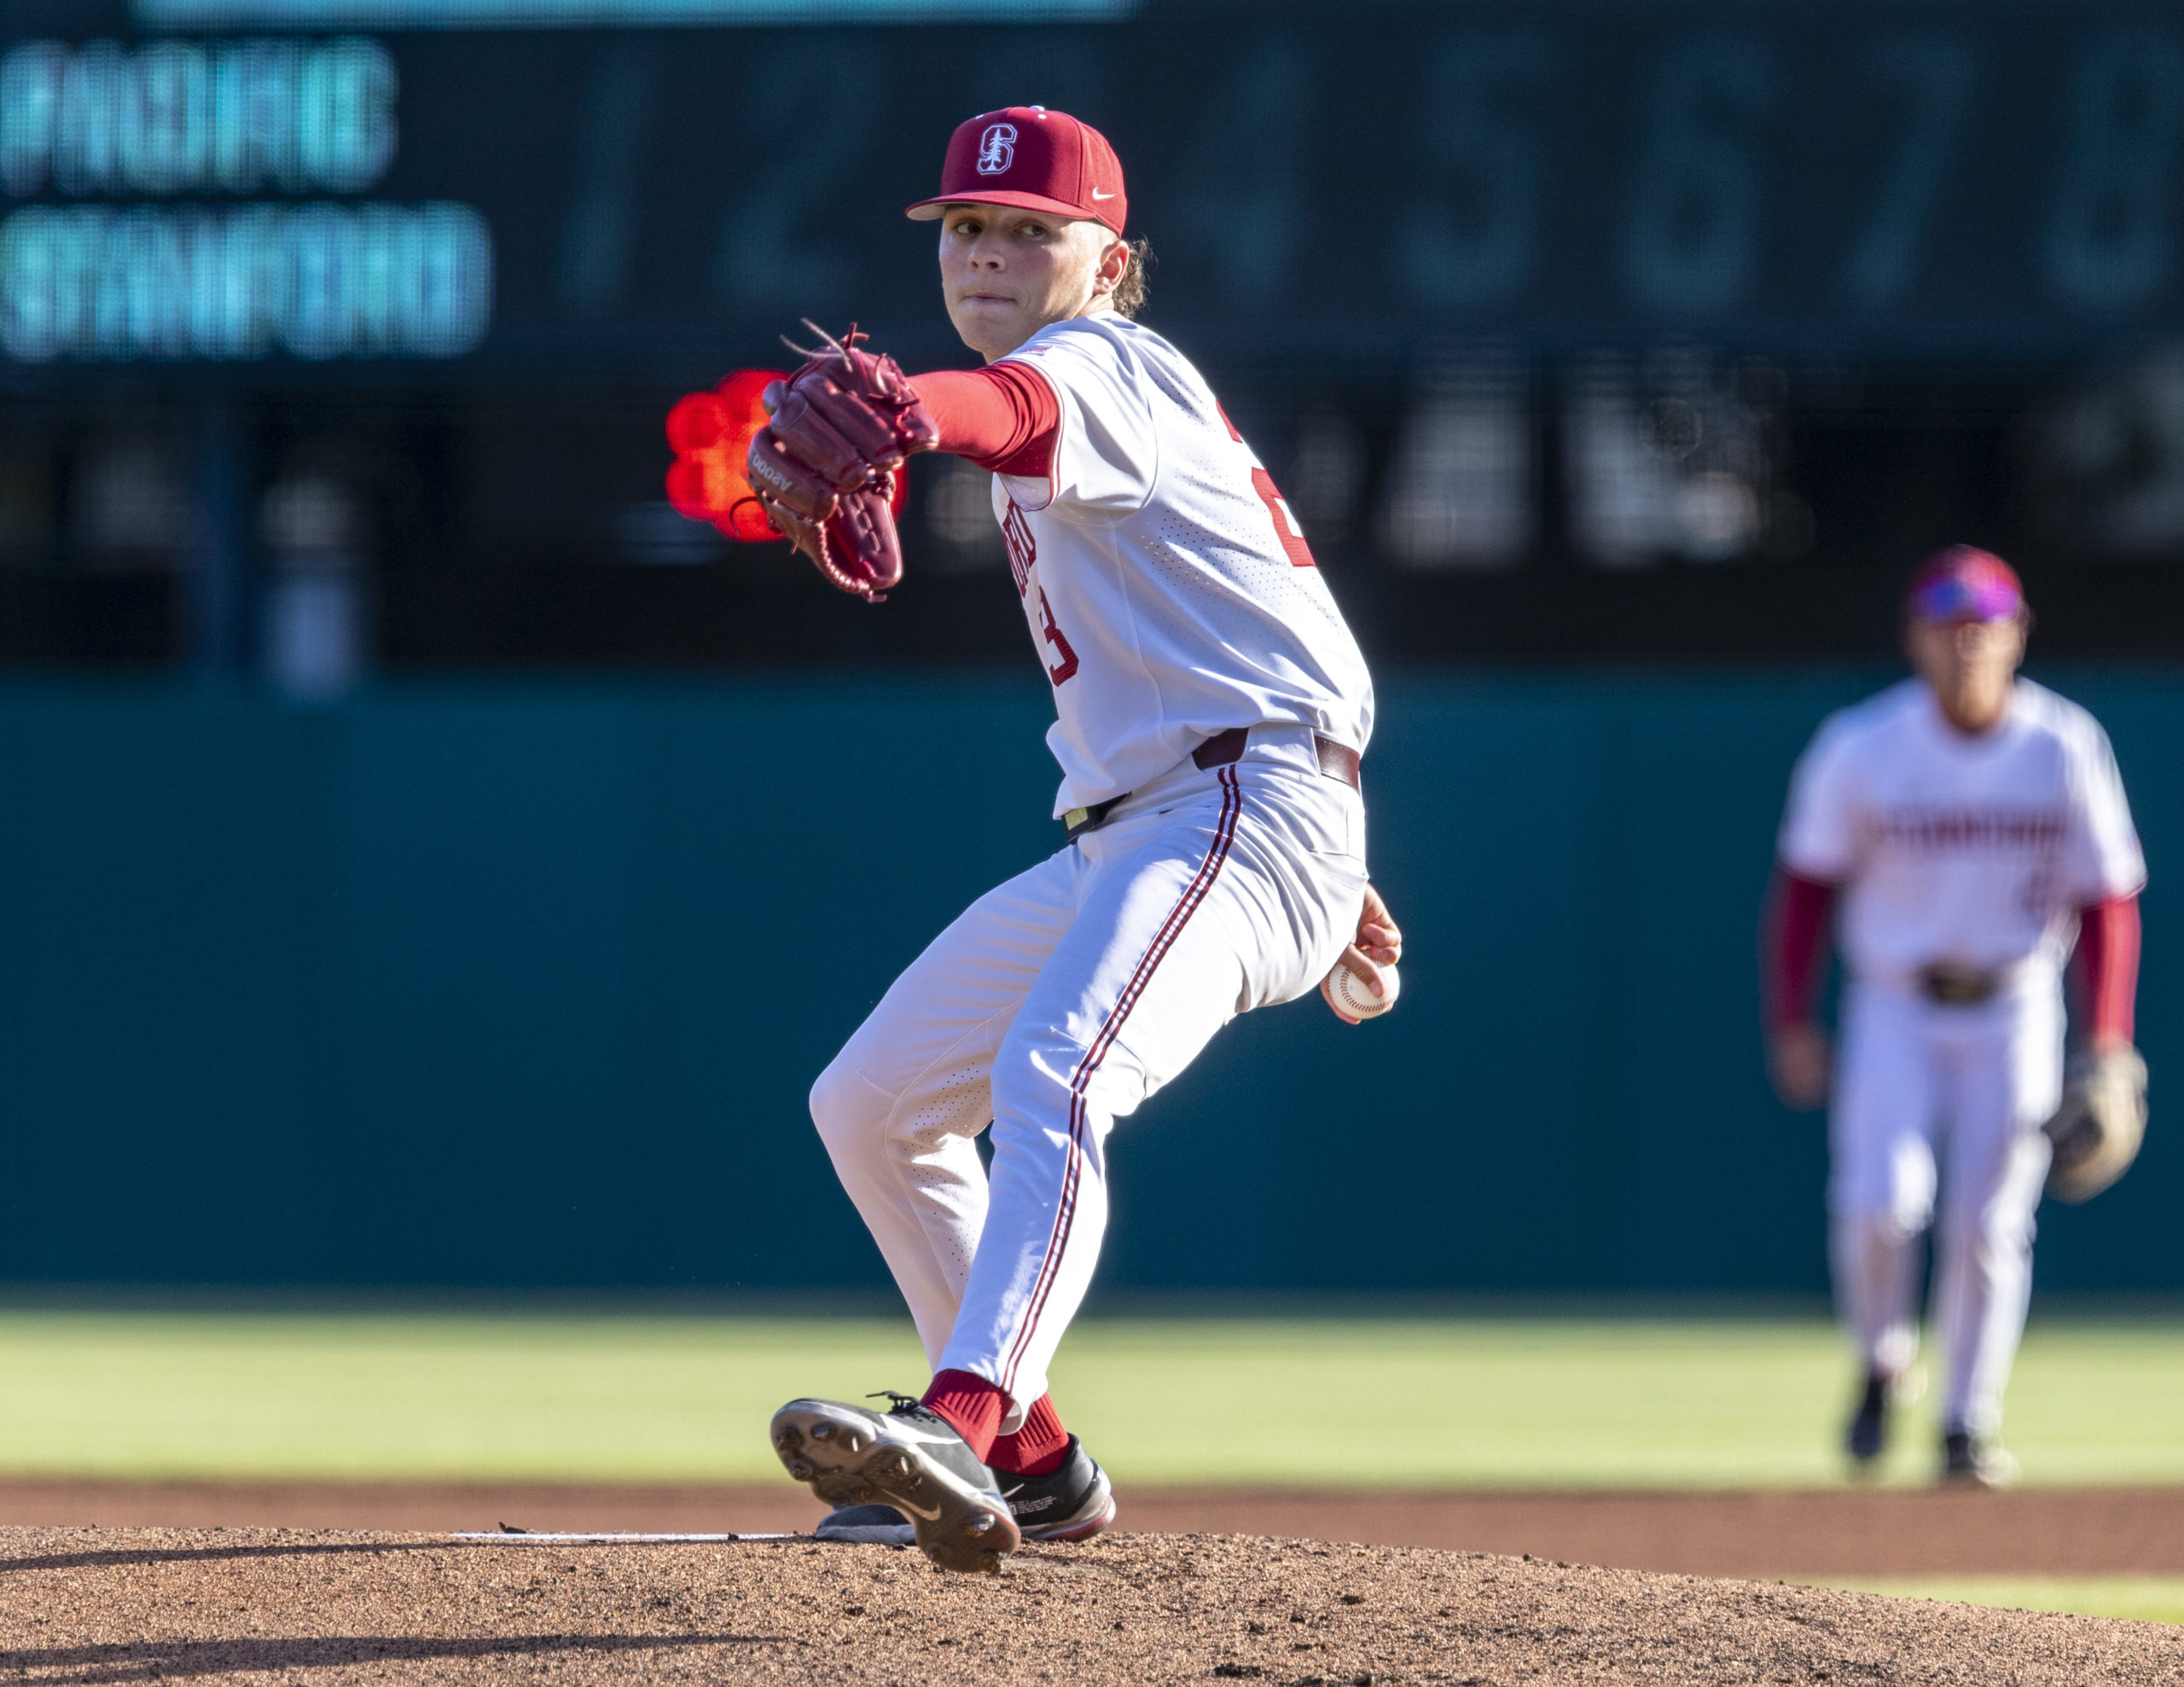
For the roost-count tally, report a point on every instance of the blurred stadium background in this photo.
(430, 861)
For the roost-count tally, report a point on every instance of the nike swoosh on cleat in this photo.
(915, 1511)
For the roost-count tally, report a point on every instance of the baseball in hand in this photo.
(1355, 997)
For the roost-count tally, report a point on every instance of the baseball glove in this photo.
(2098, 1128)
(827, 467)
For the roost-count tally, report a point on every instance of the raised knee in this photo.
(843, 1105)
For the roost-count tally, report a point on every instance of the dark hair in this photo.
(1128, 296)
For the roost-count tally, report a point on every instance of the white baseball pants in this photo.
(1937, 1111)
(1056, 1003)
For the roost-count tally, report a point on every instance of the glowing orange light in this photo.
(712, 434)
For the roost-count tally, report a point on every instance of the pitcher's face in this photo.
(1008, 273)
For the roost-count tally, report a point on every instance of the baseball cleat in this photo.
(1868, 1430)
(907, 1458)
(1975, 1460)
(1071, 1502)
(866, 1526)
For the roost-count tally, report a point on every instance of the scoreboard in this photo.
(306, 181)
(1570, 328)
(186, 199)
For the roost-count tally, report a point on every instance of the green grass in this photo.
(448, 1397)
(1554, 1402)
(2137, 1598)
(1579, 1403)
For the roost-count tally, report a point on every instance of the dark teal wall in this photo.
(524, 984)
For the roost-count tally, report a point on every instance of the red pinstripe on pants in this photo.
(1194, 894)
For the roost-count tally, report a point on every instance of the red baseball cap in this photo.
(1034, 159)
(1964, 584)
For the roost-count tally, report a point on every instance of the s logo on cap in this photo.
(1033, 160)
(997, 149)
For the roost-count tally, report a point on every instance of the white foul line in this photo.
(545, 1538)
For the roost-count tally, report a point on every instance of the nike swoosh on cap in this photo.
(1097, 194)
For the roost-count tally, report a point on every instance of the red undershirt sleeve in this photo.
(2108, 966)
(1003, 417)
(1793, 943)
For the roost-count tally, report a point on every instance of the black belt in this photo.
(1337, 761)
(1954, 986)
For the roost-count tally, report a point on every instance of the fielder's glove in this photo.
(2098, 1128)
(826, 467)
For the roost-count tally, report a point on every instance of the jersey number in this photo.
(1287, 528)
(1064, 668)
(1284, 524)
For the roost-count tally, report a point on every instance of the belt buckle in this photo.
(1950, 985)
(1075, 822)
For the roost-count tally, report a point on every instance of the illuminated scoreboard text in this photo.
(151, 234)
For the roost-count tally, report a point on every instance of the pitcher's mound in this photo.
(115, 1605)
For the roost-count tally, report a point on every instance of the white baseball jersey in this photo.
(1975, 850)
(1169, 589)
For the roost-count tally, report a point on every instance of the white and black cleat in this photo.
(1975, 1461)
(907, 1458)
(1867, 1434)
(1072, 1502)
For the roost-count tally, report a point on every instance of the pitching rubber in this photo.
(852, 1456)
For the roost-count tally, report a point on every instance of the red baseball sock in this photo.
(1036, 1449)
(973, 1406)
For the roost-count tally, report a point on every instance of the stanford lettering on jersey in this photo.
(1935, 829)
(1948, 848)
(1023, 550)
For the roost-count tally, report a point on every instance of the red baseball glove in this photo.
(826, 467)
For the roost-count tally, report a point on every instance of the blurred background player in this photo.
(1212, 708)
(1973, 824)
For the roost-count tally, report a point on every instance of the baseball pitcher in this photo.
(1211, 709)
(1971, 827)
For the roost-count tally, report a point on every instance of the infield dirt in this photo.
(1859, 1531)
(88, 1605)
